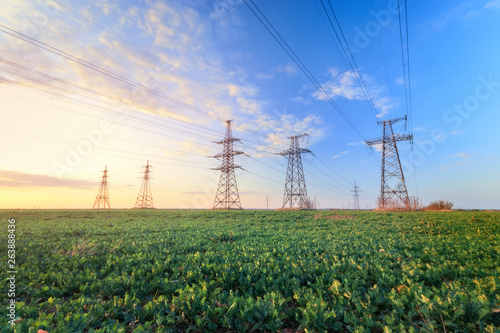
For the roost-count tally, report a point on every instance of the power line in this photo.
(86, 89)
(288, 50)
(128, 141)
(406, 64)
(407, 83)
(379, 39)
(349, 56)
(101, 70)
(410, 115)
(103, 148)
(94, 67)
(335, 171)
(97, 108)
(139, 48)
(107, 137)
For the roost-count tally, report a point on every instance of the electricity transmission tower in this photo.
(145, 197)
(102, 198)
(227, 196)
(295, 183)
(393, 187)
(355, 192)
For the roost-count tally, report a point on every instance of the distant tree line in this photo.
(439, 205)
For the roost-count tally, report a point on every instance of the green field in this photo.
(273, 271)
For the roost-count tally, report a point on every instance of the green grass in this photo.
(287, 271)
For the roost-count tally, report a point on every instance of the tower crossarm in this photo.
(294, 151)
(396, 137)
(227, 168)
(391, 121)
(230, 140)
(374, 141)
(298, 136)
(223, 154)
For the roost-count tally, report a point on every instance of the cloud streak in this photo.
(16, 179)
(341, 154)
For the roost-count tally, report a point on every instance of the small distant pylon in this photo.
(295, 183)
(227, 196)
(355, 192)
(145, 197)
(393, 186)
(102, 198)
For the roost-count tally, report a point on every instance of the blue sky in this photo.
(113, 83)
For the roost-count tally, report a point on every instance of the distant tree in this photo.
(440, 205)
(392, 205)
(416, 203)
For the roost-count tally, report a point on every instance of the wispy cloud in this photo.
(495, 4)
(449, 166)
(475, 13)
(302, 100)
(462, 159)
(357, 143)
(341, 154)
(18, 179)
(461, 12)
(288, 69)
(196, 192)
(188, 146)
(345, 85)
(378, 147)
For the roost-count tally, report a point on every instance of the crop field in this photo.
(254, 271)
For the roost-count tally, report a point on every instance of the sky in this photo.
(92, 84)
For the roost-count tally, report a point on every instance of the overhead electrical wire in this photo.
(104, 56)
(407, 81)
(118, 77)
(101, 70)
(210, 87)
(108, 137)
(27, 86)
(409, 72)
(113, 150)
(108, 96)
(96, 92)
(350, 58)
(406, 63)
(58, 95)
(138, 48)
(379, 39)
(289, 51)
(284, 45)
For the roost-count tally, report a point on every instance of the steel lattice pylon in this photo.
(355, 192)
(295, 183)
(227, 196)
(393, 187)
(145, 197)
(102, 198)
